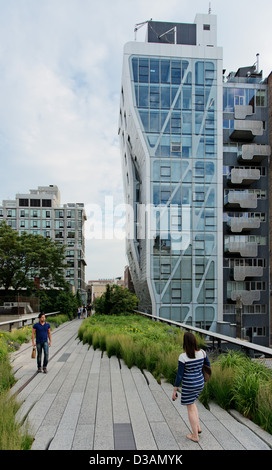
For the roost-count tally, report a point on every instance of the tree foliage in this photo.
(28, 259)
(115, 301)
(60, 300)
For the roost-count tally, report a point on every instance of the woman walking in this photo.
(190, 374)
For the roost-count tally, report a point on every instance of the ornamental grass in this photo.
(139, 341)
(244, 384)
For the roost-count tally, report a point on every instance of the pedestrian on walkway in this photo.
(78, 313)
(43, 333)
(190, 365)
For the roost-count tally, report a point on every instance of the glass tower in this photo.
(171, 144)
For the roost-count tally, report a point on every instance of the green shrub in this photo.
(113, 345)
(12, 435)
(263, 414)
(219, 387)
(241, 383)
(57, 320)
(115, 301)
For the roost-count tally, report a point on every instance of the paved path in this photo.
(87, 401)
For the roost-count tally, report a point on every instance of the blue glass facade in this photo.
(176, 104)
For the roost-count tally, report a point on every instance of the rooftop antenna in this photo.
(138, 26)
(258, 62)
(210, 7)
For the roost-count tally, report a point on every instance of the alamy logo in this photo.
(141, 222)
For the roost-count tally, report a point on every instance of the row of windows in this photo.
(35, 202)
(203, 244)
(246, 215)
(165, 266)
(46, 224)
(176, 170)
(182, 290)
(177, 123)
(58, 214)
(244, 262)
(250, 309)
(229, 124)
(260, 240)
(166, 97)
(243, 97)
(245, 285)
(203, 315)
(175, 145)
(151, 70)
(185, 195)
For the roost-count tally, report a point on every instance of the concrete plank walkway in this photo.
(88, 401)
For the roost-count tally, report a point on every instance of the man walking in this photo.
(43, 333)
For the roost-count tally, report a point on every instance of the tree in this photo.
(53, 300)
(115, 301)
(28, 260)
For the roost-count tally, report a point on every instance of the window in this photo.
(23, 202)
(46, 202)
(206, 27)
(165, 195)
(165, 171)
(176, 71)
(176, 294)
(175, 147)
(35, 202)
(261, 98)
(165, 270)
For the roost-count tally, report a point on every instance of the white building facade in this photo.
(170, 131)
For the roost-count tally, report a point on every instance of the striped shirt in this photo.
(190, 374)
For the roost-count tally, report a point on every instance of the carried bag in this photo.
(33, 354)
(206, 371)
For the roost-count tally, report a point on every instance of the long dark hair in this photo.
(190, 344)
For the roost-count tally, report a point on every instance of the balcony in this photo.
(247, 297)
(241, 199)
(244, 249)
(241, 112)
(240, 273)
(243, 224)
(243, 176)
(254, 153)
(246, 129)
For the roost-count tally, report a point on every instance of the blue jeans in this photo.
(42, 346)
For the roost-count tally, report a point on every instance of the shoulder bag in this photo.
(206, 371)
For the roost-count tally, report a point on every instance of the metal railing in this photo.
(26, 319)
(242, 344)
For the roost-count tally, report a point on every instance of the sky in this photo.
(60, 82)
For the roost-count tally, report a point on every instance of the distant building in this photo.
(41, 212)
(96, 288)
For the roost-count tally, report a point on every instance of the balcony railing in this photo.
(241, 199)
(246, 129)
(244, 176)
(254, 153)
(243, 224)
(247, 297)
(240, 273)
(244, 249)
